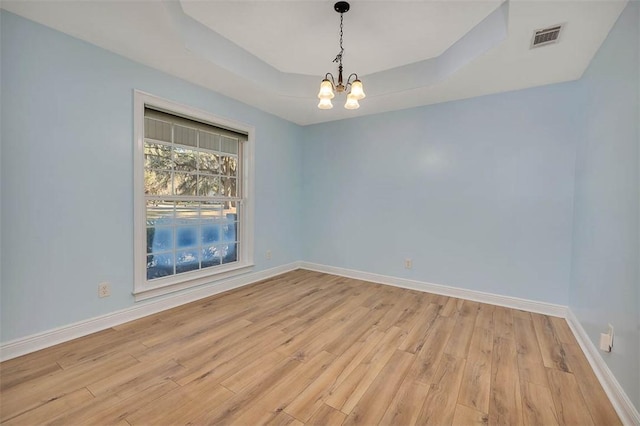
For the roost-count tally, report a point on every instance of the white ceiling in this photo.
(273, 54)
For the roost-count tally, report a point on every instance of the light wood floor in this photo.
(310, 348)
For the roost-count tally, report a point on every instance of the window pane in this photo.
(210, 233)
(228, 165)
(209, 141)
(159, 220)
(159, 212)
(210, 257)
(187, 236)
(187, 213)
(233, 167)
(157, 183)
(185, 184)
(228, 187)
(229, 230)
(156, 129)
(208, 185)
(229, 145)
(212, 215)
(184, 135)
(157, 156)
(185, 159)
(159, 265)
(228, 253)
(187, 260)
(230, 211)
(159, 238)
(211, 211)
(209, 163)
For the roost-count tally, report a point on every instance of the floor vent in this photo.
(546, 36)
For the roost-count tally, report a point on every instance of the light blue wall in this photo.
(67, 131)
(605, 277)
(479, 193)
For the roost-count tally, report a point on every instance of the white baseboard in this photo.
(619, 399)
(477, 296)
(35, 342)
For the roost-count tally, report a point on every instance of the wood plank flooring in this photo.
(315, 349)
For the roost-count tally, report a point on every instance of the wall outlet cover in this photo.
(104, 290)
(605, 342)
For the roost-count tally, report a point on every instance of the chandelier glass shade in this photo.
(352, 87)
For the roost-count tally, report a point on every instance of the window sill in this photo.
(148, 291)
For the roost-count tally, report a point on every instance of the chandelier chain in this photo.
(339, 55)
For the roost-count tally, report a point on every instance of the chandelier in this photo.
(353, 88)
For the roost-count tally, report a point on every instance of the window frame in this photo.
(145, 289)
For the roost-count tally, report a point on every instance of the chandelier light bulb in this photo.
(352, 102)
(326, 90)
(357, 90)
(325, 103)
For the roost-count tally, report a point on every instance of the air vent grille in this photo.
(546, 36)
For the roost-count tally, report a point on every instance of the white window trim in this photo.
(142, 289)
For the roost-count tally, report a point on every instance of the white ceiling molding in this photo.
(210, 45)
(301, 37)
(203, 41)
(486, 35)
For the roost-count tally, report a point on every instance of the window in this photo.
(193, 211)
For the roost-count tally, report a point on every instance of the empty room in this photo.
(320, 213)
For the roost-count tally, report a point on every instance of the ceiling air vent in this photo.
(546, 36)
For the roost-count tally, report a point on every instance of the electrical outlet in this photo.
(267, 255)
(606, 340)
(104, 290)
(408, 264)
